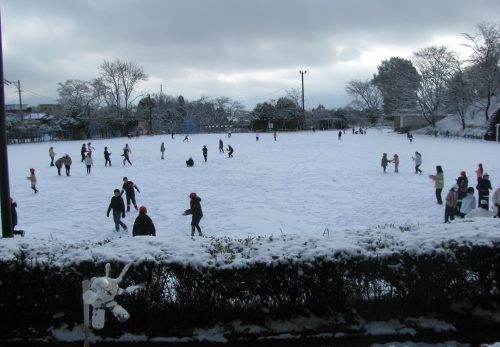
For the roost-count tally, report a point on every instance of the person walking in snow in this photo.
(479, 172)
(384, 161)
(118, 208)
(128, 187)
(418, 161)
(483, 189)
(496, 201)
(88, 163)
(274, 134)
(32, 179)
(196, 213)
(67, 164)
(126, 154)
(221, 146)
(205, 152)
(106, 157)
(256, 137)
(172, 135)
(438, 179)
(468, 202)
(451, 204)
(59, 164)
(340, 135)
(82, 152)
(143, 225)
(229, 134)
(52, 155)
(162, 150)
(13, 206)
(395, 161)
(230, 151)
(462, 183)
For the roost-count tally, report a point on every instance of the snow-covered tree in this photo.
(366, 96)
(460, 94)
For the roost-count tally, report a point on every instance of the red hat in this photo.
(143, 209)
(192, 195)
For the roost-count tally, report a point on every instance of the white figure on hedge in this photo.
(101, 296)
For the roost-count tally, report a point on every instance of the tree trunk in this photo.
(487, 108)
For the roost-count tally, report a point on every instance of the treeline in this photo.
(435, 81)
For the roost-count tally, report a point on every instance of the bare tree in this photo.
(75, 96)
(485, 59)
(130, 75)
(365, 93)
(437, 66)
(296, 95)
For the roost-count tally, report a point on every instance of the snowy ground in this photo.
(297, 186)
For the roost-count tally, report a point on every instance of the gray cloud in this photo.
(240, 48)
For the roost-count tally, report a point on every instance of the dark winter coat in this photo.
(143, 225)
(117, 205)
(462, 183)
(190, 162)
(106, 155)
(483, 187)
(128, 188)
(195, 208)
(60, 162)
(205, 151)
(13, 207)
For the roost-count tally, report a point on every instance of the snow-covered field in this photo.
(293, 188)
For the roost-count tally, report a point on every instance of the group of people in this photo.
(460, 200)
(385, 161)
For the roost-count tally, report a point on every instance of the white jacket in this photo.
(468, 204)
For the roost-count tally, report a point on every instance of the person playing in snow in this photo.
(256, 137)
(395, 161)
(186, 138)
(483, 188)
(230, 151)
(481, 211)
(221, 146)
(83, 151)
(205, 152)
(88, 162)
(190, 162)
(59, 164)
(162, 150)
(340, 135)
(410, 137)
(106, 157)
(32, 179)
(438, 179)
(52, 155)
(67, 164)
(479, 172)
(172, 135)
(274, 134)
(143, 225)
(126, 154)
(195, 212)
(13, 206)
(128, 187)
(451, 204)
(418, 161)
(90, 149)
(118, 208)
(496, 201)
(229, 134)
(384, 161)
(462, 183)
(468, 202)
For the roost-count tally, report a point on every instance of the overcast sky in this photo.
(249, 50)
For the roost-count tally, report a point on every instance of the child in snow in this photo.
(418, 161)
(128, 187)
(395, 161)
(106, 157)
(463, 183)
(67, 163)
(126, 153)
(468, 202)
(230, 151)
(205, 152)
(83, 151)
(451, 204)
(229, 134)
(32, 179)
(256, 137)
(52, 155)
(195, 212)
(13, 206)
(221, 146)
(496, 201)
(479, 172)
(88, 162)
(190, 162)
(483, 188)
(118, 208)
(59, 164)
(340, 135)
(438, 179)
(143, 225)
(186, 138)
(384, 161)
(90, 149)
(274, 134)
(162, 150)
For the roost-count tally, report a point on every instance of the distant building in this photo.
(14, 108)
(412, 121)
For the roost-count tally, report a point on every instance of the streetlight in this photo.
(302, 74)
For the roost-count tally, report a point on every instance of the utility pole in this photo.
(4, 161)
(302, 74)
(20, 100)
(150, 115)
